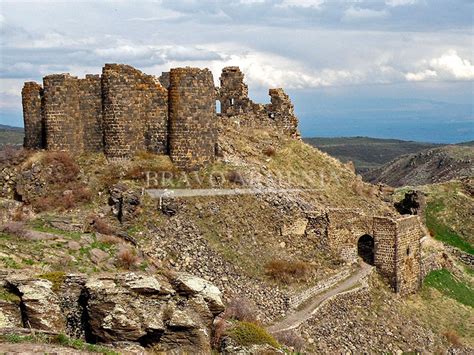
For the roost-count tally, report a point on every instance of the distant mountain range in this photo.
(11, 135)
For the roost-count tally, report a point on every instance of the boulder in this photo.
(192, 285)
(41, 306)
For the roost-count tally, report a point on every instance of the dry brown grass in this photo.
(235, 177)
(64, 168)
(453, 338)
(14, 228)
(290, 339)
(269, 151)
(240, 308)
(287, 271)
(127, 258)
(101, 226)
(218, 332)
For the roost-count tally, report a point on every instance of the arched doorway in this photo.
(365, 248)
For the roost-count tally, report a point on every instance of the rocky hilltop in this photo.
(252, 252)
(426, 167)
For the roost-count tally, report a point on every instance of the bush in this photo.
(269, 151)
(14, 228)
(246, 333)
(453, 338)
(240, 308)
(64, 168)
(218, 332)
(235, 177)
(290, 339)
(127, 258)
(100, 226)
(287, 271)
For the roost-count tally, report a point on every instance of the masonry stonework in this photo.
(193, 125)
(124, 111)
(396, 249)
(34, 130)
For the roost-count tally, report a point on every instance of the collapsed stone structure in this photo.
(392, 245)
(124, 111)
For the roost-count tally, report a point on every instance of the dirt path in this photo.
(293, 320)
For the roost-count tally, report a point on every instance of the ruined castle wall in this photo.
(192, 117)
(90, 105)
(135, 112)
(385, 237)
(61, 113)
(233, 93)
(408, 255)
(31, 95)
(344, 230)
(281, 110)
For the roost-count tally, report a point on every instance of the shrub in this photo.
(100, 226)
(453, 338)
(56, 277)
(127, 258)
(218, 332)
(287, 271)
(14, 228)
(290, 339)
(269, 151)
(235, 177)
(240, 308)
(64, 168)
(247, 333)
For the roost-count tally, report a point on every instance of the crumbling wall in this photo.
(281, 110)
(192, 117)
(135, 112)
(90, 105)
(408, 255)
(31, 95)
(61, 110)
(233, 93)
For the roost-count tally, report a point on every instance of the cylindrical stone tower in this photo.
(62, 117)
(192, 117)
(34, 131)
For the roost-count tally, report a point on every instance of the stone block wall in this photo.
(192, 118)
(385, 237)
(32, 94)
(90, 106)
(125, 111)
(397, 250)
(61, 110)
(408, 255)
(135, 112)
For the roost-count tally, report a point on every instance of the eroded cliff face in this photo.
(169, 313)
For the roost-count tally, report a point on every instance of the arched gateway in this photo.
(379, 241)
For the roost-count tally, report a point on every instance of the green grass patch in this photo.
(9, 263)
(8, 296)
(443, 281)
(42, 225)
(443, 232)
(247, 333)
(56, 277)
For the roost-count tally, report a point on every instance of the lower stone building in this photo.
(392, 245)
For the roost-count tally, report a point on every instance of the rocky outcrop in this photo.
(413, 203)
(124, 202)
(173, 313)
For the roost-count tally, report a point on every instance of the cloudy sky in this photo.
(386, 68)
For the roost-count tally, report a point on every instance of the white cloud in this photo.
(395, 3)
(302, 3)
(449, 66)
(358, 14)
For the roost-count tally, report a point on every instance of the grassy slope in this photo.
(449, 213)
(367, 152)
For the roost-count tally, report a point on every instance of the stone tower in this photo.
(192, 117)
(34, 129)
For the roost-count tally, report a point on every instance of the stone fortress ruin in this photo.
(124, 111)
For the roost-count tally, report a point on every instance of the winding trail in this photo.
(295, 319)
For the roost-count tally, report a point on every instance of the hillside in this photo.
(62, 216)
(11, 135)
(426, 167)
(366, 153)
